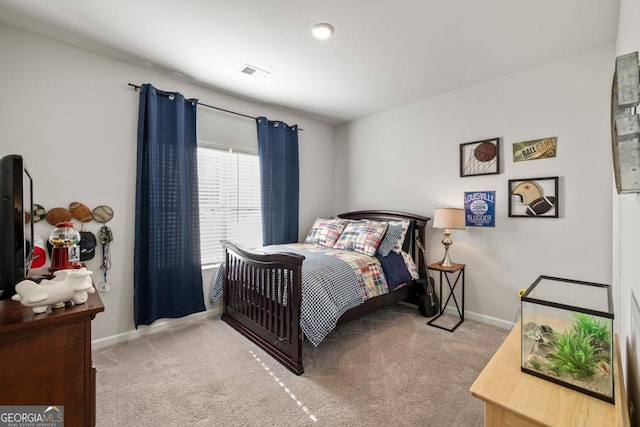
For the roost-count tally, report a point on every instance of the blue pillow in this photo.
(395, 270)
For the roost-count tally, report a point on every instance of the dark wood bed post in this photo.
(263, 292)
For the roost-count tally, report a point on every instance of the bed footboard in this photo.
(262, 301)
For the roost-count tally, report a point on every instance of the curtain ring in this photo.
(276, 124)
(171, 97)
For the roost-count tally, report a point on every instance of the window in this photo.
(229, 187)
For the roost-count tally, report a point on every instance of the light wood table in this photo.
(515, 398)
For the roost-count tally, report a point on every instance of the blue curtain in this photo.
(279, 181)
(167, 267)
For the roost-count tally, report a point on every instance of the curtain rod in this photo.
(137, 88)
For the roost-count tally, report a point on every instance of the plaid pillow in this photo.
(363, 237)
(394, 237)
(325, 232)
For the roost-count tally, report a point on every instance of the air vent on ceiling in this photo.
(252, 71)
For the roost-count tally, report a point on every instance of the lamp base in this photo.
(446, 261)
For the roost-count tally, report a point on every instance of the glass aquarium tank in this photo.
(567, 334)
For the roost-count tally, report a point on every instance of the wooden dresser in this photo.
(45, 359)
(515, 398)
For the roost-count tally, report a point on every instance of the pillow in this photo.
(325, 232)
(394, 234)
(389, 241)
(363, 237)
(395, 269)
(411, 266)
(397, 244)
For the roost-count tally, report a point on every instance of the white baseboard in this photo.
(161, 325)
(165, 324)
(494, 321)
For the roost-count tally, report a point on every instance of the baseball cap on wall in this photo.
(39, 253)
(87, 245)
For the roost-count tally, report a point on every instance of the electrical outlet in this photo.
(104, 287)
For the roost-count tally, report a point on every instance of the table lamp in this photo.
(448, 218)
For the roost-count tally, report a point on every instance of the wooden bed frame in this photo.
(252, 278)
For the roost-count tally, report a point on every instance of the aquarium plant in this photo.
(536, 365)
(589, 325)
(574, 354)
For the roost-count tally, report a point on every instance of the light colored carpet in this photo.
(386, 369)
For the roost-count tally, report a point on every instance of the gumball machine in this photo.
(66, 252)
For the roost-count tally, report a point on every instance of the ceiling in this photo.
(383, 54)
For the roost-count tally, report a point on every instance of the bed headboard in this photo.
(420, 229)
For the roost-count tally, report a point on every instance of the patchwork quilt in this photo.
(333, 281)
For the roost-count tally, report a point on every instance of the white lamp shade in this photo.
(452, 218)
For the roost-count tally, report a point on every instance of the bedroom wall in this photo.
(626, 211)
(408, 159)
(72, 116)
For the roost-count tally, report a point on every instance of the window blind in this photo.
(229, 187)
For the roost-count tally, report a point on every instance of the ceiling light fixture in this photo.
(322, 30)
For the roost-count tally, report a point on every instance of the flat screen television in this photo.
(16, 226)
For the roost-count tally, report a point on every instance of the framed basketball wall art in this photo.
(480, 157)
(533, 197)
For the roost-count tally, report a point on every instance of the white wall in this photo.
(72, 116)
(626, 208)
(408, 159)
